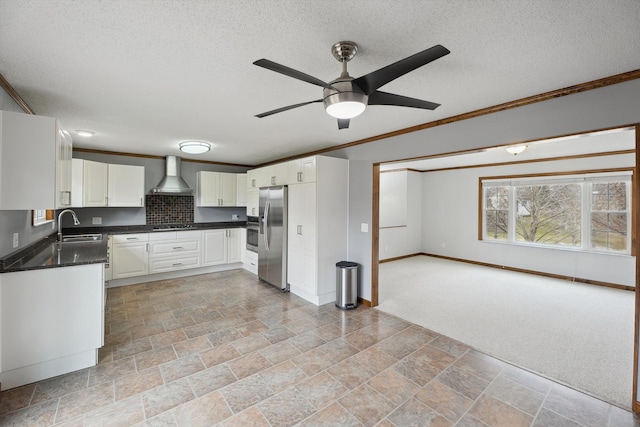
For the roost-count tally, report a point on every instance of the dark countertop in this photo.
(125, 229)
(48, 253)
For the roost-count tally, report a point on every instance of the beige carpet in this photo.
(577, 334)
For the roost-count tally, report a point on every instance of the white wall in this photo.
(407, 239)
(450, 219)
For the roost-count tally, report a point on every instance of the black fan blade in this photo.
(289, 107)
(384, 98)
(343, 123)
(278, 68)
(369, 83)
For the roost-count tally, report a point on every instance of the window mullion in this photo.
(587, 190)
(511, 228)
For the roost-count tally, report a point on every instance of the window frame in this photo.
(586, 180)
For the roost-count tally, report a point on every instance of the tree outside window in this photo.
(497, 212)
(609, 216)
(587, 212)
(549, 214)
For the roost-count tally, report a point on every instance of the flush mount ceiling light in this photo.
(195, 147)
(85, 133)
(516, 149)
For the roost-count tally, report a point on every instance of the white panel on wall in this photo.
(393, 199)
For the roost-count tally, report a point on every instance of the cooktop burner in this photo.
(172, 226)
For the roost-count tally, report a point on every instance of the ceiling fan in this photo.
(346, 97)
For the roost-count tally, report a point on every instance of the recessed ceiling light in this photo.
(516, 149)
(85, 133)
(195, 147)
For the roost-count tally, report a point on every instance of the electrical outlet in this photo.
(364, 227)
(96, 220)
(234, 217)
(16, 240)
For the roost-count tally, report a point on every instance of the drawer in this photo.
(162, 235)
(160, 265)
(189, 235)
(130, 238)
(174, 247)
(252, 256)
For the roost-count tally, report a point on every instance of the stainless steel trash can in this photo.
(347, 285)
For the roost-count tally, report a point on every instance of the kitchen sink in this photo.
(77, 238)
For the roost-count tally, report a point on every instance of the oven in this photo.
(252, 233)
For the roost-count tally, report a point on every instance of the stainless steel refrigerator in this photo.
(272, 238)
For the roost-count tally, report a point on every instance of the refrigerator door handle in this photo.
(267, 207)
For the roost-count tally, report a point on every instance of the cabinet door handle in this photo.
(299, 176)
(177, 263)
(299, 229)
(147, 247)
(141, 203)
(273, 180)
(178, 247)
(253, 183)
(253, 211)
(132, 238)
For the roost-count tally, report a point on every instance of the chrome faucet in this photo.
(75, 221)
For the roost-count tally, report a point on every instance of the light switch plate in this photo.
(364, 227)
(234, 217)
(96, 220)
(16, 240)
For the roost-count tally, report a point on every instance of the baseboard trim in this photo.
(364, 302)
(522, 270)
(399, 257)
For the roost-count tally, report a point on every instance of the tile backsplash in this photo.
(162, 209)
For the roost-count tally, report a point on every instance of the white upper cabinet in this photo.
(216, 189)
(275, 175)
(95, 182)
(35, 162)
(254, 177)
(301, 170)
(241, 189)
(126, 186)
(101, 184)
(253, 200)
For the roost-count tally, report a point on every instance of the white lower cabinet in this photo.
(51, 322)
(251, 263)
(174, 250)
(141, 254)
(130, 256)
(221, 246)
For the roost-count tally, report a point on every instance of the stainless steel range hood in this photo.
(172, 183)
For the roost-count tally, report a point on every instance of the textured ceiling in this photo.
(145, 75)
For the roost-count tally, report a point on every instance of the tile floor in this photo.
(223, 349)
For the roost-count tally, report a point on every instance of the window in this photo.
(41, 216)
(587, 212)
(496, 212)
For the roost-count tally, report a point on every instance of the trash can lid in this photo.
(347, 264)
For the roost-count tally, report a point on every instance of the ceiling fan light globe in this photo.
(344, 105)
(346, 109)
